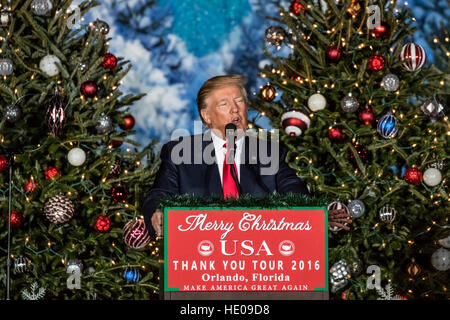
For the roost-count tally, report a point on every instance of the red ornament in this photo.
(376, 63)
(116, 143)
(413, 176)
(16, 219)
(296, 8)
(344, 295)
(382, 31)
(119, 194)
(367, 116)
(333, 54)
(362, 153)
(109, 61)
(29, 186)
(336, 134)
(413, 56)
(135, 234)
(3, 163)
(89, 89)
(128, 122)
(103, 224)
(52, 173)
(295, 123)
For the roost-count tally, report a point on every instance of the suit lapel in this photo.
(212, 176)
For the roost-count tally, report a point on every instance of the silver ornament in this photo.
(445, 242)
(440, 165)
(40, 7)
(390, 82)
(83, 66)
(100, 26)
(5, 18)
(356, 267)
(440, 259)
(372, 190)
(12, 113)
(72, 265)
(21, 265)
(104, 124)
(59, 209)
(356, 208)
(387, 213)
(6, 67)
(433, 108)
(339, 275)
(275, 35)
(349, 103)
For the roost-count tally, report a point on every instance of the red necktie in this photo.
(228, 184)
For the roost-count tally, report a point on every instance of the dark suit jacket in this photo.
(203, 179)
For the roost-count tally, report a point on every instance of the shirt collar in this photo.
(220, 141)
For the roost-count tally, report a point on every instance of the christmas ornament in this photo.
(21, 265)
(362, 153)
(6, 67)
(349, 103)
(3, 163)
(344, 295)
(100, 26)
(5, 18)
(275, 35)
(337, 206)
(316, 102)
(390, 82)
(336, 133)
(268, 93)
(29, 186)
(296, 8)
(382, 31)
(339, 275)
(12, 113)
(109, 61)
(445, 242)
(355, 8)
(103, 224)
(52, 173)
(413, 268)
(116, 143)
(387, 213)
(367, 116)
(58, 209)
(35, 292)
(432, 177)
(413, 176)
(376, 63)
(40, 7)
(132, 274)
(387, 126)
(440, 165)
(388, 293)
(49, 66)
(76, 157)
(104, 124)
(440, 259)
(89, 89)
(433, 108)
(135, 234)
(292, 39)
(372, 190)
(295, 123)
(55, 115)
(119, 194)
(356, 208)
(83, 66)
(16, 219)
(128, 122)
(115, 169)
(356, 267)
(413, 56)
(73, 265)
(333, 54)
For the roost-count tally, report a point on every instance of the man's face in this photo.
(226, 105)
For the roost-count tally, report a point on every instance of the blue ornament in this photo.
(132, 274)
(387, 126)
(403, 171)
(394, 169)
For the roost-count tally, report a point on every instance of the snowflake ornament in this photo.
(387, 294)
(33, 295)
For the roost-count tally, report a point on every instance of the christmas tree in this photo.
(75, 194)
(356, 106)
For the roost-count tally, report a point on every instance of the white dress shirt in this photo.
(221, 152)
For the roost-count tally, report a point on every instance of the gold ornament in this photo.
(413, 268)
(268, 93)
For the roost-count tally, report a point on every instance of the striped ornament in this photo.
(387, 126)
(58, 209)
(337, 206)
(413, 56)
(132, 274)
(295, 123)
(136, 235)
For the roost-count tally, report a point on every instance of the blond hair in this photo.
(219, 82)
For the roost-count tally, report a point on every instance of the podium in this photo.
(245, 253)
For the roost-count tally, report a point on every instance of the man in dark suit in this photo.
(198, 164)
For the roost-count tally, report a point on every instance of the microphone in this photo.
(230, 133)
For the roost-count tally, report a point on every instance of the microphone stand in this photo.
(10, 157)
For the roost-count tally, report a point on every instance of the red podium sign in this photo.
(246, 249)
